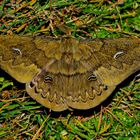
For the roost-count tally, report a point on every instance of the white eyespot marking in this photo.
(116, 55)
(48, 79)
(92, 78)
(17, 50)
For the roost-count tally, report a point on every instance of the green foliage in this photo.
(23, 118)
(4, 83)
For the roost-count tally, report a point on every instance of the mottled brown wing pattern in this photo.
(67, 73)
(21, 57)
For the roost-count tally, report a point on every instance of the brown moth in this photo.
(69, 73)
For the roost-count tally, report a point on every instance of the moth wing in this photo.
(110, 60)
(119, 59)
(22, 57)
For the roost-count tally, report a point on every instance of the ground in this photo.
(23, 118)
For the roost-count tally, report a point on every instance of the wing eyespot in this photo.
(118, 54)
(48, 79)
(92, 78)
(17, 51)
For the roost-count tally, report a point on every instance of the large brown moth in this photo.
(69, 73)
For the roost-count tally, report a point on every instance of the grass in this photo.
(117, 118)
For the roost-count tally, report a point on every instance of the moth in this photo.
(62, 73)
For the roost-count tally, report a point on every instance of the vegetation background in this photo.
(22, 118)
